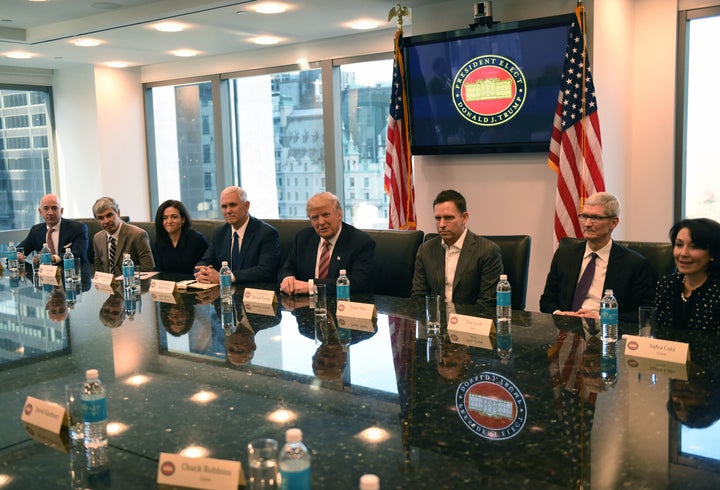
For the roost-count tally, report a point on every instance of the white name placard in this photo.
(204, 473)
(669, 369)
(46, 415)
(659, 350)
(470, 330)
(162, 287)
(365, 325)
(48, 272)
(260, 308)
(351, 309)
(104, 281)
(260, 296)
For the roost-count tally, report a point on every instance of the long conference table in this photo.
(382, 397)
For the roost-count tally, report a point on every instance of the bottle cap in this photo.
(311, 286)
(293, 435)
(608, 292)
(44, 244)
(503, 277)
(91, 374)
(224, 263)
(369, 482)
(343, 272)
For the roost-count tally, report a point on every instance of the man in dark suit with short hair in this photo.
(458, 265)
(250, 246)
(321, 250)
(626, 272)
(57, 232)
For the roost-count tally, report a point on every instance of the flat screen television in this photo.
(489, 91)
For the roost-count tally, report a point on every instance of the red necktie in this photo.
(583, 286)
(324, 263)
(49, 240)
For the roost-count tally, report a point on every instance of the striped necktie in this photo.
(324, 264)
(111, 251)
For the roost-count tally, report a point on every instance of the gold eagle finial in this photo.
(399, 11)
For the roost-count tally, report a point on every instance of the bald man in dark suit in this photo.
(458, 265)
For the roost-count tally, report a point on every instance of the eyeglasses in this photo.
(593, 218)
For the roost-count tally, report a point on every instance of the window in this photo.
(698, 172)
(25, 154)
(181, 146)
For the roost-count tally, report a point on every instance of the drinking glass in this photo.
(432, 313)
(647, 316)
(73, 391)
(263, 464)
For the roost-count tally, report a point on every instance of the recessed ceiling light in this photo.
(87, 42)
(18, 55)
(116, 64)
(270, 8)
(185, 53)
(364, 24)
(169, 26)
(265, 40)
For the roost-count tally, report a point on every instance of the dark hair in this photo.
(454, 196)
(160, 233)
(705, 234)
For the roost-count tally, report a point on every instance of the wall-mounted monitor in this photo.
(487, 90)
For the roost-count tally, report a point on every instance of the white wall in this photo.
(633, 61)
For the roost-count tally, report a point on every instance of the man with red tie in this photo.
(321, 250)
(57, 232)
(581, 272)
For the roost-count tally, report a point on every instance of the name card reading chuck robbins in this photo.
(470, 330)
(204, 473)
(104, 281)
(48, 272)
(659, 350)
(42, 414)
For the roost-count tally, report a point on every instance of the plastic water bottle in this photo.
(131, 301)
(342, 286)
(609, 363)
(503, 316)
(45, 255)
(369, 482)
(69, 268)
(12, 259)
(128, 271)
(294, 462)
(226, 310)
(225, 283)
(94, 414)
(609, 317)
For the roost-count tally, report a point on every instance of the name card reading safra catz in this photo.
(203, 473)
(659, 350)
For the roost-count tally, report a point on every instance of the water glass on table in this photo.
(647, 316)
(73, 392)
(263, 464)
(432, 313)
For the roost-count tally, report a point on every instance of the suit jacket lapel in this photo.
(466, 251)
(438, 261)
(248, 238)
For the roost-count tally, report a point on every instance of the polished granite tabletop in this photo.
(420, 411)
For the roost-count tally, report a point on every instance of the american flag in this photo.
(575, 147)
(398, 159)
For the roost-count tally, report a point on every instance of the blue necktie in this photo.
(235, 254)
(583, 286)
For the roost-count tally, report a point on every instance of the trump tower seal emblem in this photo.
(489, 90)
(491, 406)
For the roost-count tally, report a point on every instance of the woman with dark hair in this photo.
(177, 246)
(690, 297)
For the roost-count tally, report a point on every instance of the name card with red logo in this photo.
(163, 291)
(362, 324)
(470, 330)
(204, 473)
(260, 301)
(104, 281)
(46, 415)
(659, 350)
(48, 273)
(359, 311)
(653, 366)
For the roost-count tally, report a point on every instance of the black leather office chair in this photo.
(515, 251)
(395, 252)
(659, 254)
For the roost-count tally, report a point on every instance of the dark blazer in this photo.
(181, 259)
(354, 251)
(629, 275)
(259, 253)
(132, 240)
(71, 232)
(478, 271)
